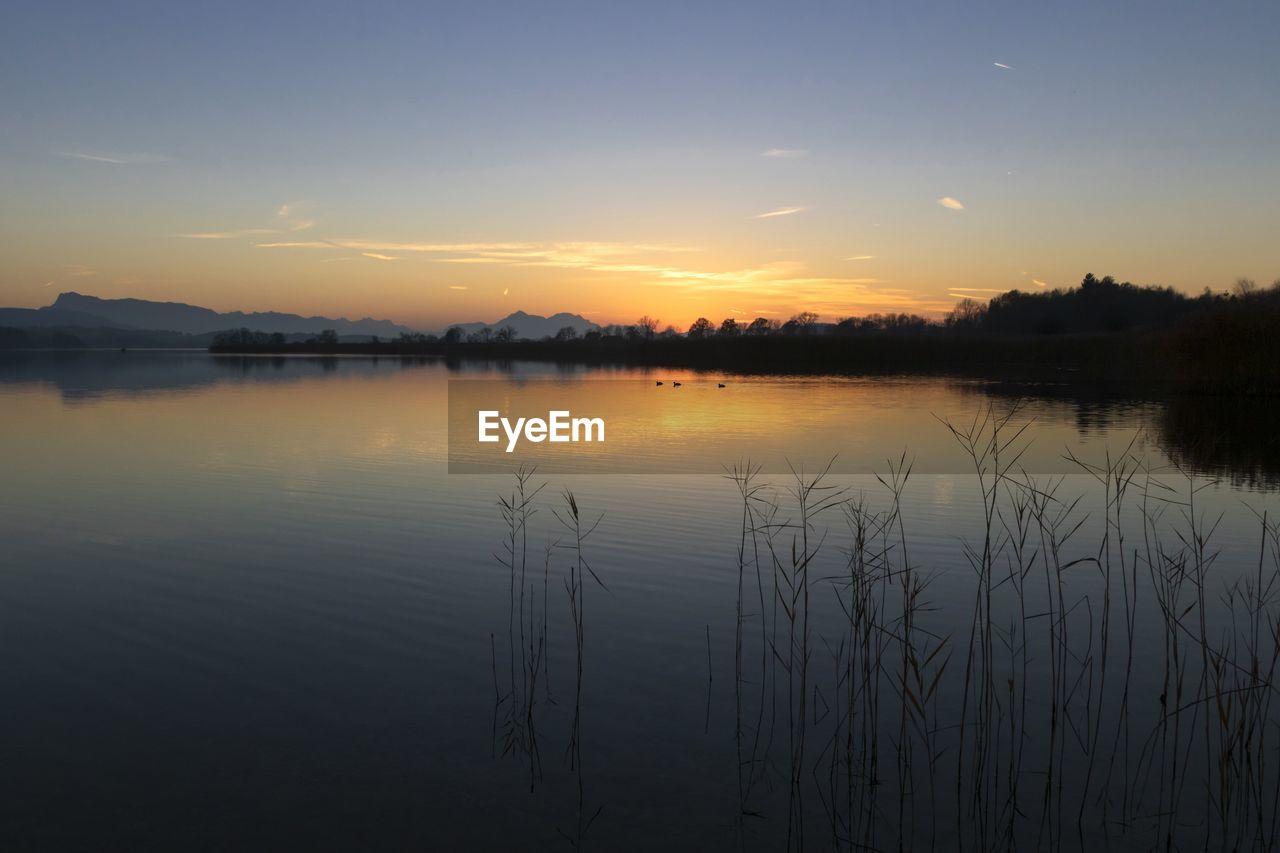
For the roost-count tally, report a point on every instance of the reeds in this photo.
(1103, 673)
(526, 636)
(577, 530)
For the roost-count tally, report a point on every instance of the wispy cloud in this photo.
(789, 283)
(379, 257)
(950, 203)
(1002, 65)
(786, 153)
(782, 211)
(583, 254)
(287, 221)
(1038, 283)
(977, 289)
(436, 248)
(130, 159)
(228, 235)
(72, 271)
(288, 214)
(505, 291)
(861, 258)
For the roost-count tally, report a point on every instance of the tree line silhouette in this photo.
(1097, 306)
(1103, 328)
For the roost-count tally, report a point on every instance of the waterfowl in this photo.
(657, 383)
(719, 384)
(675, 384)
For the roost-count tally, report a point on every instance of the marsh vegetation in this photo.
(1099, 675)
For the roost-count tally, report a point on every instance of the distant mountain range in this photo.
(75, 309)
(47, 318)
(133, 321)
(533, 326)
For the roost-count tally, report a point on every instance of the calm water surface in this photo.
(243, 604)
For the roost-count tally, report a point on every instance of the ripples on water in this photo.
(244, 604)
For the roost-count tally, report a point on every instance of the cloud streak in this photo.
(782, 211)
(790, 283)
(132, 159)
(785, 153)
(72, 271)
(287, 222)
(228, 235)
(950, 203)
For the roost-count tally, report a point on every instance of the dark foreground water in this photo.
(243, 605)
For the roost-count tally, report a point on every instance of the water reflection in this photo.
(223, 576)
(765, 418)
(1229, 437)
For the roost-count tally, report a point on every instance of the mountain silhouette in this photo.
(50, 317)
(533, 326)
(193, 319)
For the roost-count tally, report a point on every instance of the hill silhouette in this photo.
(195, 320)
(532, 327)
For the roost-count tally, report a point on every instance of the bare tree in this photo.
(1244, 287)
(646, 326)
(805, 320)
(967, 313)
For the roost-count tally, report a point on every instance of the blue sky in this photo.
(629, 151)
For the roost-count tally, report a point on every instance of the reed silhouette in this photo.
(1114, 683)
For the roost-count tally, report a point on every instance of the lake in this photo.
(245, 604)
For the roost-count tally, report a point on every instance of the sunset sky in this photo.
(432, 163)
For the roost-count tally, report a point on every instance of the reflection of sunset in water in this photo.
(289, 413)
(774, 421)
(226, 545)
